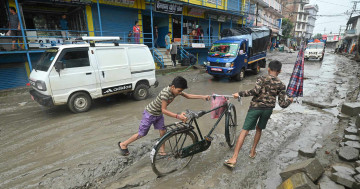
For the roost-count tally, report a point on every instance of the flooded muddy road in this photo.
(53, 148)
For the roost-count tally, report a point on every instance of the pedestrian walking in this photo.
(267, 88)
(168, 44)
(136, 32)
(64, 26)
(15, 29)
(173, 53)
(153, 113)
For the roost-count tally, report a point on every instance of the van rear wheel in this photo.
(79, 102)
(141, 92)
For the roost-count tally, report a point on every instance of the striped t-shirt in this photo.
(154, 107)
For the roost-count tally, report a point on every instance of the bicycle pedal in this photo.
(208, 138)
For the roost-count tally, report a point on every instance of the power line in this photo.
(334, 4)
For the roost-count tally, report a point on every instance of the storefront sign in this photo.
(211, 16)
(222, 18)
(120, 2)
(169, 8)
(73, 1)
(196, 12)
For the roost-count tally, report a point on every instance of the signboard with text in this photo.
(169, 8)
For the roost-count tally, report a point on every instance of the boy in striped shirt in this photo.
(153, 113)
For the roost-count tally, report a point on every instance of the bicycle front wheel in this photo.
(230, 126)
(166, 154)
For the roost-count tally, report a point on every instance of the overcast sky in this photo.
(331, 7)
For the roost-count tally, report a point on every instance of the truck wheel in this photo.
(141, 92)
(79, 102)
(256, 68)
(240, 76)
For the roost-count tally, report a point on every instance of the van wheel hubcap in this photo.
(142, 92)
(80, 103)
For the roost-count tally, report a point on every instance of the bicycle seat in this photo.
(192, 114)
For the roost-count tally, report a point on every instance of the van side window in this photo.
(74, 59)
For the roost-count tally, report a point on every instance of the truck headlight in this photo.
(207, 63)
(229, 65)
(40, 85)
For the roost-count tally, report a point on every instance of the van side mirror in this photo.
(59, 66)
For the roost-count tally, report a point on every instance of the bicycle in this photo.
(181, 142)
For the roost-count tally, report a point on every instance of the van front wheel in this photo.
(141, 92)
(79, 102)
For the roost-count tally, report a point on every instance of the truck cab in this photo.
(238, 51)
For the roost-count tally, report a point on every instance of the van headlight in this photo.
(40, 85)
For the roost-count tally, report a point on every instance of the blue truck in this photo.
(237, 51)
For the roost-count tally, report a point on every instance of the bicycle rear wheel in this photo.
(169, 160)
(230, 126)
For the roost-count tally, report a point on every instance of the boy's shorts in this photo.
(147, 120)
(253, 116)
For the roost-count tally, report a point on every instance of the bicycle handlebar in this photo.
(226, 96)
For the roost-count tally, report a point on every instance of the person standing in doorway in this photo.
(173, 53)
(168, 44)
(64, 26)
(14, 25)
(156, 36)
(136, 31)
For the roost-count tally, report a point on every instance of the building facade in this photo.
(267, 13)
(41, 28)
(295, 11)
(311, 19)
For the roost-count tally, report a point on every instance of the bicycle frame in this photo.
(226, 106)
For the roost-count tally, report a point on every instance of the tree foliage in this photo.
(318, 36)
(286, 26)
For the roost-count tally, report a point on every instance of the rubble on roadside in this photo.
(311, 174)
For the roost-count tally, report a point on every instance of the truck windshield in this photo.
(224, 49)
(315, 46)
(45, 60)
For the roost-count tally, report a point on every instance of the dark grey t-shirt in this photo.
(14, 21)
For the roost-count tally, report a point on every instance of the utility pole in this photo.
(257, 12)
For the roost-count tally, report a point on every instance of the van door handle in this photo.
(89, 73)
(103, 73)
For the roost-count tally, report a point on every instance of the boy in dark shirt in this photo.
(267, 88)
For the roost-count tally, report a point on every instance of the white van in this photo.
(76, 74)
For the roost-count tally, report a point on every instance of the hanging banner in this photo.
(169, 8)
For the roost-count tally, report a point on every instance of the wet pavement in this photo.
(53, 148)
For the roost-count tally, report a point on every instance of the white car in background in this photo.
(315, 51)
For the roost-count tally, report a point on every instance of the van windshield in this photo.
(315, 46)
(45, 60)
(224, 50)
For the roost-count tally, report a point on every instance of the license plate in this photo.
(32, 97)
(216, 69)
